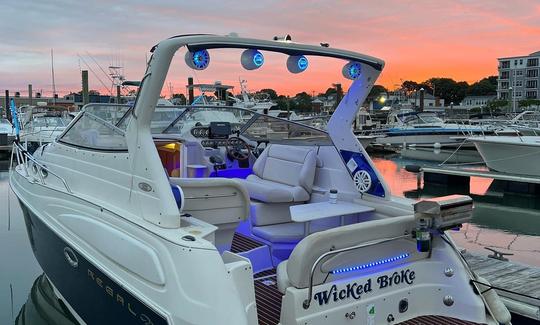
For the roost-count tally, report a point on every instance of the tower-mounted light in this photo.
(352, 70)
(198, 60)
(252, 59)
(297, 63)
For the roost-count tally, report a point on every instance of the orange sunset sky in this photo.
(417, 39)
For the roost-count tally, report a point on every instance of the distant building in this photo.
(521, 73)
(328, 103)
(316, 105)
(476, 101)
(40, 100)
(429, 100)
(77, 99)
(387, 100)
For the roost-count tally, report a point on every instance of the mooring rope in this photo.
(490, 287)
(495, 160)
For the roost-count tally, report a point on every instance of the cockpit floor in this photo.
(436, 320)
(268, 298)
(242, 243)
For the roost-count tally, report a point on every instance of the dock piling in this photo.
(85, 95)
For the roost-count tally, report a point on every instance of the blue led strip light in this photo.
(372, 264)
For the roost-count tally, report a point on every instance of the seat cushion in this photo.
(292, 232)
(289, 165)
(273, 192)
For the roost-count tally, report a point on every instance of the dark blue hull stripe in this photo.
(95, 297)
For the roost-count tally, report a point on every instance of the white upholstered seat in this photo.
(282, 174)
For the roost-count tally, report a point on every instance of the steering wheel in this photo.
(237, 148)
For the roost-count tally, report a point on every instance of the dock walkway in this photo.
(519, 278)
(464, 172)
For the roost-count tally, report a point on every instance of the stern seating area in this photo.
(295, 272)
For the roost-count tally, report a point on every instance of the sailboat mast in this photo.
(53, 83)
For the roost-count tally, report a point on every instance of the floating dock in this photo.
(461, 177)
(519, 284)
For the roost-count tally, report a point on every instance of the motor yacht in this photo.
(425, 129)
(42, 128)
(510, 154)
(266, 222)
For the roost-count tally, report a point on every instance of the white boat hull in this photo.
(513, 155)
(421, 140)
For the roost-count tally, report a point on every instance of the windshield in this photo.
(103, 126)
(193, 116)
(271, 129)
(430, 118)
(4, 121)
(48, 121)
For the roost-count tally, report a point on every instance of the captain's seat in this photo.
(282, 174)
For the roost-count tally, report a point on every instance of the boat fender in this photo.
(413, 168)
(494, 302)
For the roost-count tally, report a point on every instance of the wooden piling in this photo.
(7, 106)
(30, 94)
(85, 95)
(118, 95)
(190, 90)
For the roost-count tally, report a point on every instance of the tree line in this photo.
(450, 90)
(445, 88)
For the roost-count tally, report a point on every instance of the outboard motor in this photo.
(440, 214)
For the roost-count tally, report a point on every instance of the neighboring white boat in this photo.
(425, 129)
(6, 127)
(259, 103)
(307, 233)
(42, 128)
(514, 155)
(7, 135)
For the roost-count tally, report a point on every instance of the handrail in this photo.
(307, 302)
(22, 158)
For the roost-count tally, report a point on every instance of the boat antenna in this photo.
(99, 66)
(94, 73)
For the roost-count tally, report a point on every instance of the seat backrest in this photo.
(313, 246)
(290, 165)
(214, 200)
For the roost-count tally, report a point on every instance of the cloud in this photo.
(417, 38)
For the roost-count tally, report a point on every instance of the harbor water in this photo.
(504, 221)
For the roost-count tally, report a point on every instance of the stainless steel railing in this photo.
(307, 302)
(24, 157)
